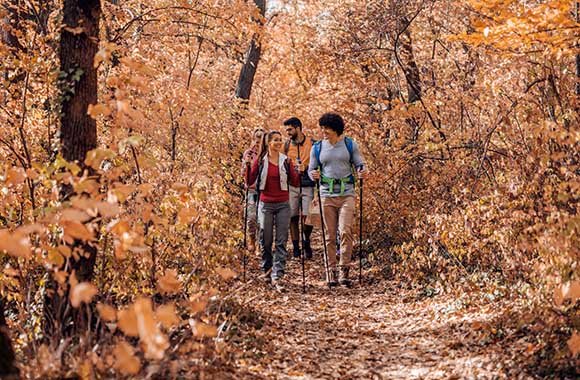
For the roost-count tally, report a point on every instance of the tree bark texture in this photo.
(78, 88)
(78, 77)
(246, 77)
(8, 369)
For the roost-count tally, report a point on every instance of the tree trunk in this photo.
(577, 18)
(8, 369)
(410, 66)
(246, 78)
(7, 26)
(78, 88)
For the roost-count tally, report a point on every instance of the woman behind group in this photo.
(273, 173)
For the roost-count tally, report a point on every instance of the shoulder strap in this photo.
(286, 147)
(317, 147)
(348, 143)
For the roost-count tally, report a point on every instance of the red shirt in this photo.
(272, 192)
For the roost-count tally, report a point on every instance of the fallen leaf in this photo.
(226, 273)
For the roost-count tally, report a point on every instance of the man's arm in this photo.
(313, 165)
(357, 157)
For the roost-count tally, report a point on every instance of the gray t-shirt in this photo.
(335, 163)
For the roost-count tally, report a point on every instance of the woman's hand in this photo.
(315, 175)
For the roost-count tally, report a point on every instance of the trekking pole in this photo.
(327, 270)
(360, 233)
(301, 234)
(245, 231)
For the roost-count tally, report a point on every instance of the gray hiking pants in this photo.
(274, 214)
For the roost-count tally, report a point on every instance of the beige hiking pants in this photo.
(339, 213)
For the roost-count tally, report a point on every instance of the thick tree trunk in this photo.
(78, 46)
(246, 78)
(8, 369)
(78, 129)
(77, 53)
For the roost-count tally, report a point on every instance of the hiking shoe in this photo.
(332, 281)
(279, 285)
(307, 249)
(296, 248)
(343, 278)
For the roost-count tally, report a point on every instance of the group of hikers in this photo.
(281, 177)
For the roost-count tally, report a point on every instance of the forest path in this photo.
(375, 331)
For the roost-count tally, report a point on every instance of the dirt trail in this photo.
(371, 332)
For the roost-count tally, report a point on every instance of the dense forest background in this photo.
(122, 128)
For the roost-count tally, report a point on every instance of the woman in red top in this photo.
(273, 173)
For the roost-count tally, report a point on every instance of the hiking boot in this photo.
(332, 281)
(343, 278)
(296, 248)
(307, 249)
(279, 285)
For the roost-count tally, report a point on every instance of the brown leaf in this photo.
(82, 292)
(169, 283)
(226, 273)
(203, 330)
(76, 230)
(154, 340)
(107, 210)
(15, 244)
(128, 321)
(74, 215)
(107, 312)
(125, 360)
(167, 316)
(574, 343)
